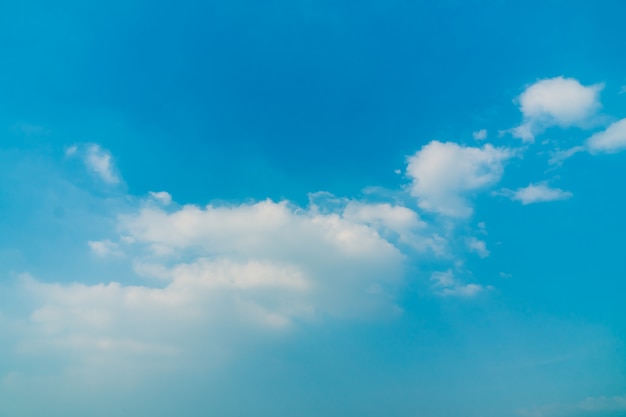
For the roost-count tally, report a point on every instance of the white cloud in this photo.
(480, 134)
(384, 217)
(249, 268)
(559, 101)
(104, 248)
(99, 161)
(613, 139)
(161, 196)
(477, 246)
(444, 175)
(446, 285)
(537, 193)
(205, 276)
(264, 229)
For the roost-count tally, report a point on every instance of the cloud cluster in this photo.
(248, 268)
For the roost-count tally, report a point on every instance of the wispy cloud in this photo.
(100, 162)
(477, 246)
(29, 129)
(536, 193)
(558, 157)
(446, 285)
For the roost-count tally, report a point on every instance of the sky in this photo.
(312, 208)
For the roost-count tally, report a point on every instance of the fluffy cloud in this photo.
(446, 285)
(537, 193)
(444, 175)
(116, 321)
(559, 101)
(208, 278)
(613, 139)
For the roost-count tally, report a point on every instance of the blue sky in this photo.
(374, 208)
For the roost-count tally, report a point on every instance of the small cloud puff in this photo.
(446, 285)
(162, 197)
(103, 248)
(480, 134)
(477, 246)
(536, 193)
(444, 174)
(558, 101)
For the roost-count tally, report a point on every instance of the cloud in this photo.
(384, 217)
(559, 157)
(537, 193)
(223, 274)
(446, 285)
(332, 248)
(99, 161)
(113, 320)
(71, 151)
(477, 246)
(611, 140)
(104, 248)
(162, 197)
(444, 175)
(559, 101)
(480, 134)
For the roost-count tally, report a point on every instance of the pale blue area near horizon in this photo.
(231, 103)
